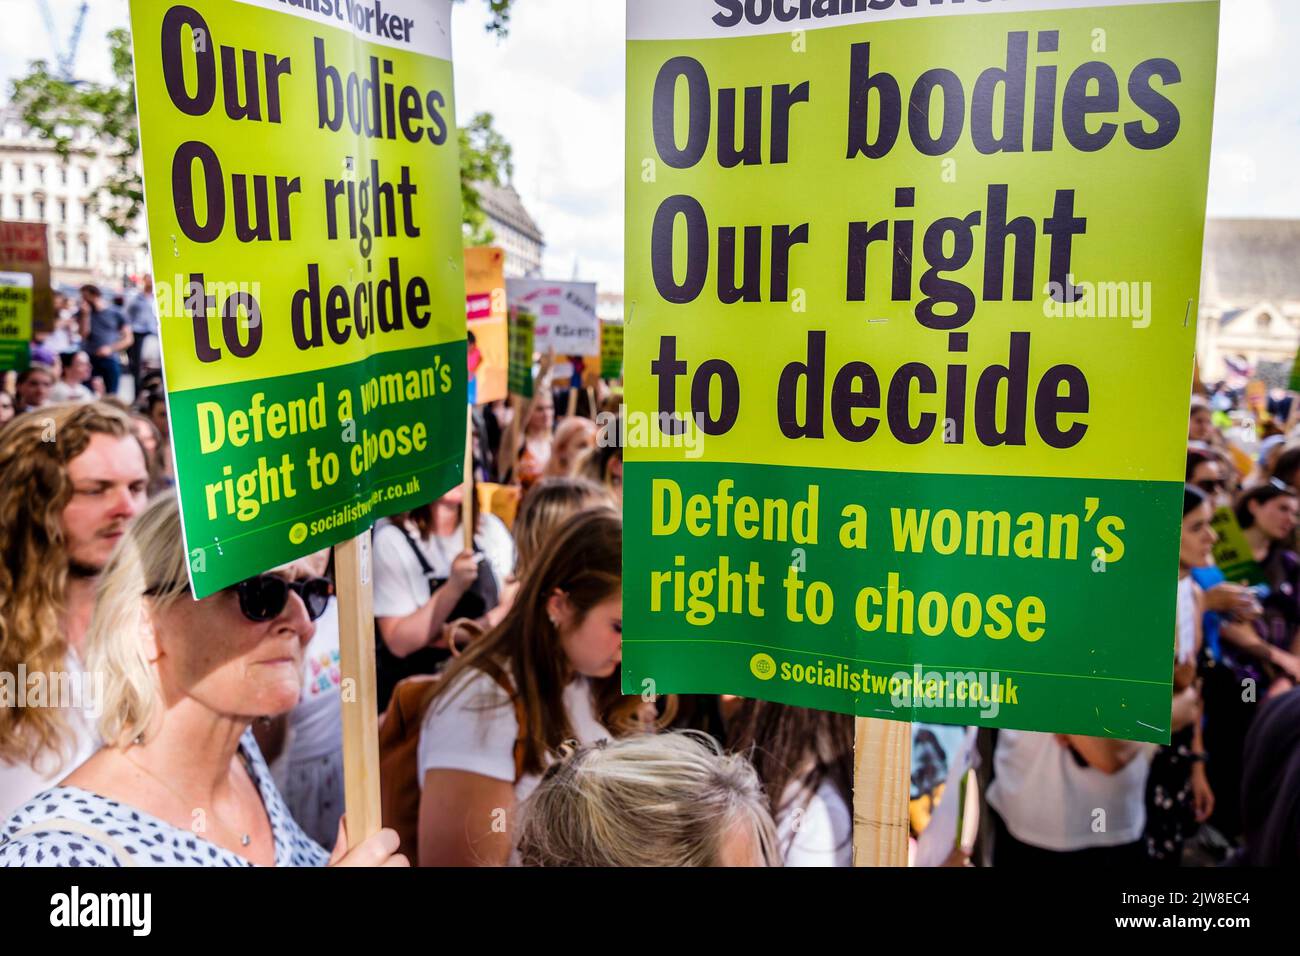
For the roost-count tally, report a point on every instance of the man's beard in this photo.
(82, 571)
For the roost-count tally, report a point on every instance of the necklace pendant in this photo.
(245, 840)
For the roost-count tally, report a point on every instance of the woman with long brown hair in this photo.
(426, 579)
(805, 760)
(503, 707)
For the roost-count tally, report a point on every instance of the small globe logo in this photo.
(298, 533)
(762, 666)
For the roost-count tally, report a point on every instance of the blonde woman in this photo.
(180, 780)
(574, 436)
(545, 509)
(666, 800)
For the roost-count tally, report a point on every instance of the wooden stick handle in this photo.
(882, 788)
(360, 707)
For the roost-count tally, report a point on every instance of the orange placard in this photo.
(485, 318)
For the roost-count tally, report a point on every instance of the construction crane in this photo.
(64, 57)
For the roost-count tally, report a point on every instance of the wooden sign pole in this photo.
(882, 786)
(355, 585)
(467, 499)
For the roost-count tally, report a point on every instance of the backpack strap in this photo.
(425, 567)
(499, 675)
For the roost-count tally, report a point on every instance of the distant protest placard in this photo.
(24, 247)
(611, 350)
(915, 295)
(565, 314)
(15, 320)
(1232, 552)
(522, 323)
(485, 311)
(304, 218)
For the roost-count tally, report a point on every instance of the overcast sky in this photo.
(556, 87)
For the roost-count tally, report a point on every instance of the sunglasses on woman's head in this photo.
(264, 597)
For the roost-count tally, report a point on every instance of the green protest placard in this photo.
(25, 248)
(897, 302)
(15, 320)
(522, 324)
(1232, 552)
(1293, 383)
(611, 350)
(302, 188)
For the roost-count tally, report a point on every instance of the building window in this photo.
(18, 206)
(63, 210)
(40, 208)
(85, 252)
(61, 251)
(85, 211)
(18, 167)
(85, 176)
(63, 175)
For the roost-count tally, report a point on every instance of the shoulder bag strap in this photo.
(521, 714)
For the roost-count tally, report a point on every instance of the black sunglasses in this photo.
(1212, 486)
(264, 597)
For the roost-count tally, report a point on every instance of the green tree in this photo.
(62, 112)
(499, 10)
(485, 157)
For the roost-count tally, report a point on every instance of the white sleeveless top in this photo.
(1185, 646)
(1047, 800)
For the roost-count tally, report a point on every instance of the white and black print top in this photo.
(86, 829)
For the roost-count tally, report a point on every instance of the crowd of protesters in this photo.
(215, 739)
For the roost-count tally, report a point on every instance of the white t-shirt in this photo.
(816, 830)
(63, 392)
(1047, 800)
(471, 726)
(400, 585)
(19, 782)
(316, 724)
